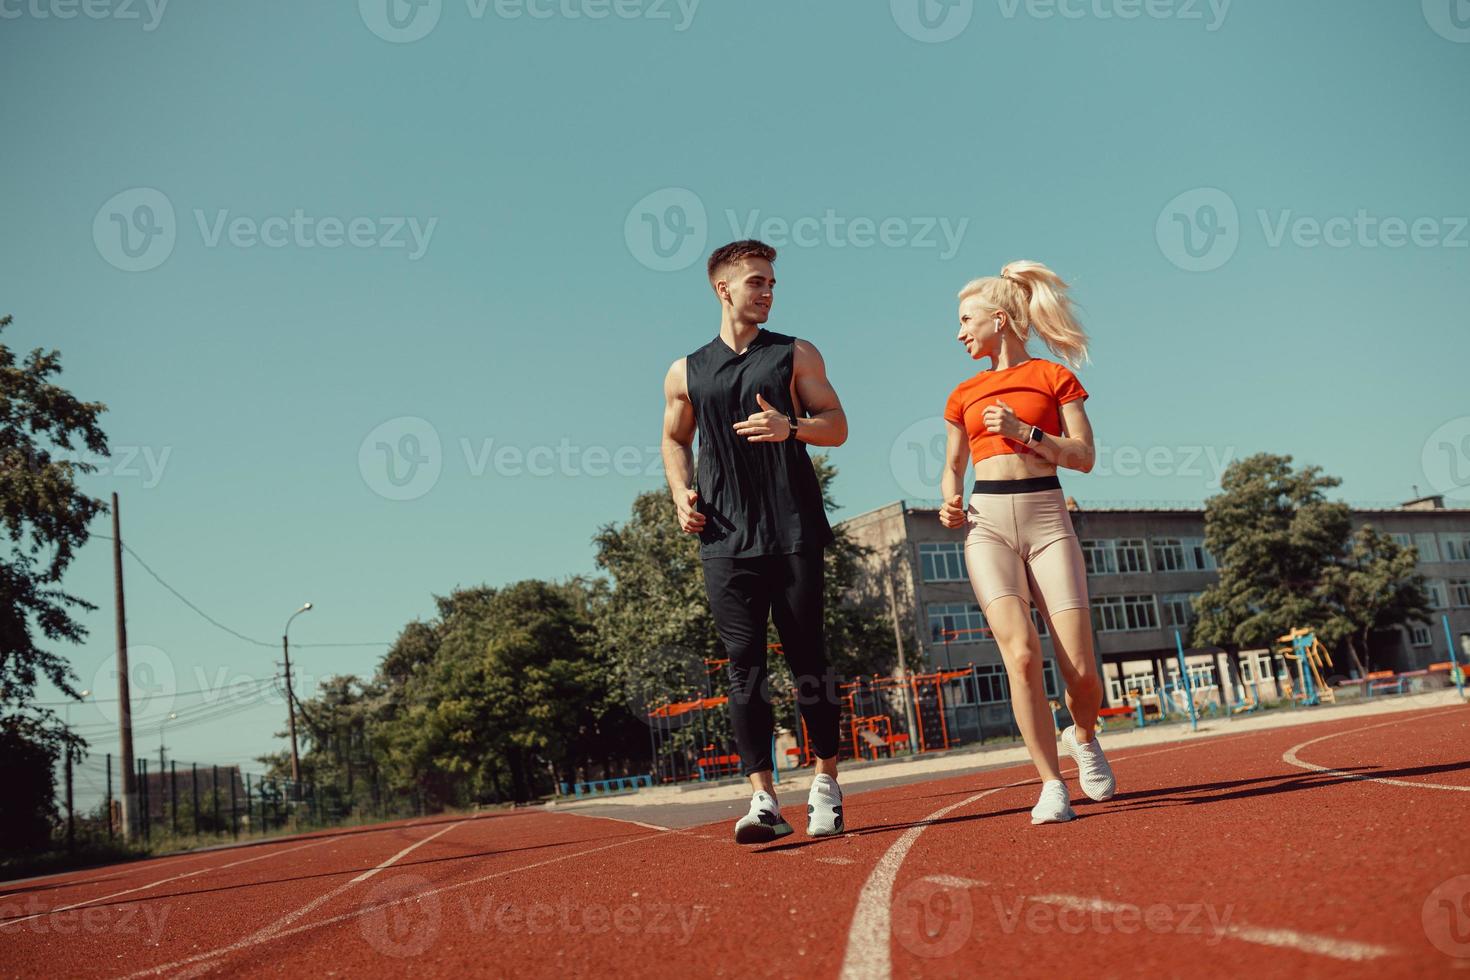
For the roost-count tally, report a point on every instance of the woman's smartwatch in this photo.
(1034, 436)
(791, 420)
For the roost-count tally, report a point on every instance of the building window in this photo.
(1436, 591)
(1132, 555)
(961, 621)
(1198, 555)
(1097, 555)
(1175, 609)
(1425, 544)
(1419, 635)
(1403, 539)
(988, 684)
(1457, 547)
(1201, 677)
(1113, 613)
(1169, 555)
(1459, 592)
(942, 561)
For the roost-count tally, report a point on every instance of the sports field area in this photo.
(1328, 843)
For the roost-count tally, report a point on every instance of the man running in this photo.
(757, 398)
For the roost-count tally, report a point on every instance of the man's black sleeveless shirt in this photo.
(758, 498)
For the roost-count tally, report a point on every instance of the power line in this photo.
(177, 694)
(214, 622)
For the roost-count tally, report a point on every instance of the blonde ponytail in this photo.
(1035, 298)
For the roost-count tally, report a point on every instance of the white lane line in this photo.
(869, 953)
(402, 854)
(1305, 942)
(163, 881)
(836, 860)
(953, 881)
(636, 823)
(269, 931)
(1290, 757)
(356, 913)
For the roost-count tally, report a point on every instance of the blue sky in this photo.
(429, 239)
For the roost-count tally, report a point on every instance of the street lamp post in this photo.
(291, 703)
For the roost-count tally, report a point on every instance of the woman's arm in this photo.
(952, 481)
(1072, 450)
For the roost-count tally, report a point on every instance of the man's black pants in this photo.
(743, 592)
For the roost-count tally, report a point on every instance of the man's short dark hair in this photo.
(735, 251)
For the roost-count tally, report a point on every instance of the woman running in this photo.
(1020, 421)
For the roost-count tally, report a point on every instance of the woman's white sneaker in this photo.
(824, 807)
(1054, 806)
(763, 823)
(1093, 771)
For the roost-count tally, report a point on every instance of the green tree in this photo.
(1373, 587)
(1274, 535)
(45, 517)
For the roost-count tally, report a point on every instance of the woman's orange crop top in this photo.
(1035, 390)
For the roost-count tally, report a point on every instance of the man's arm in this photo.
(677, 446)
(827, 424)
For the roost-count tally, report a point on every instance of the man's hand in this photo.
(952, 512)
(1000, 418)
(767, 425)
(690, 519)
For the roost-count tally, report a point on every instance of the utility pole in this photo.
(291, 703)
(124, 706)
(903, 670)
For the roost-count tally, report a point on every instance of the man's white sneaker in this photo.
(1053, 807)
(1093, 771)
(824, 807)
(763, 823)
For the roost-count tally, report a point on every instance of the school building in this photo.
(1143, 566)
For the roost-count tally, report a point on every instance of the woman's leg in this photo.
(1057, 577)
(1009, 618)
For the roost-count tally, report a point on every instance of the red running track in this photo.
(1331, 849)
